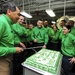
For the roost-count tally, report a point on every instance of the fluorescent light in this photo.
(53, 22)
(50, 12)
(26, 14)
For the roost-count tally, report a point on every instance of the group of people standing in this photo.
(16, 36)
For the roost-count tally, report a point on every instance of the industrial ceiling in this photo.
(37, 8)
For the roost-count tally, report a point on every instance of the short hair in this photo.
(45, 21)
(63, 21)
(68, 26)
(40, 19)
(22, 15)
(8, 5)
(72, 22)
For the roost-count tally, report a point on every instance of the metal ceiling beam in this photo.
(43, 6)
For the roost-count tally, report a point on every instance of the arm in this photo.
(6, 47)
(22, 45)
(46, 39)
(33, 36)
(5, 51)
(72, 60)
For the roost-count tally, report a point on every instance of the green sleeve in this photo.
(56, 35)
(5, 51)
(33, 35)
(68, 45)
(18, 29)
(50, 32)
(73, 43)
(2, 29)
(46, 39)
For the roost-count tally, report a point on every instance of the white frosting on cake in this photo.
(46, 60)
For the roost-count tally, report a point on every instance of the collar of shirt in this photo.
(8, 19)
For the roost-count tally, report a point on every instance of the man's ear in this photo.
(8, 11)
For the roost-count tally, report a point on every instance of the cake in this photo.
(45, 59)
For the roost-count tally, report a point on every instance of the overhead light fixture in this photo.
(50, 12)
(53, 22)
(26, 14)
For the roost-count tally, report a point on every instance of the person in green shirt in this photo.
(10, 14)
(68, 49)
(39, 35)
(49, 31)
(19, 31)
(71, 23)
(29, 39)
(55, 39)
(20, 35)
(61, 24)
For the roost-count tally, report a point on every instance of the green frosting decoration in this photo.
(47, 60)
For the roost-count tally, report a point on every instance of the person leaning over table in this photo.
(68, 49)
(10, 15)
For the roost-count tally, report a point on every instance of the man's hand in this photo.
(72, 60)
(19, 50)
(44, 46)
(35, 40)
(22, 45)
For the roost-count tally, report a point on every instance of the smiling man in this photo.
(10, 15)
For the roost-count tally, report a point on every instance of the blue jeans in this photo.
(66, 65)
